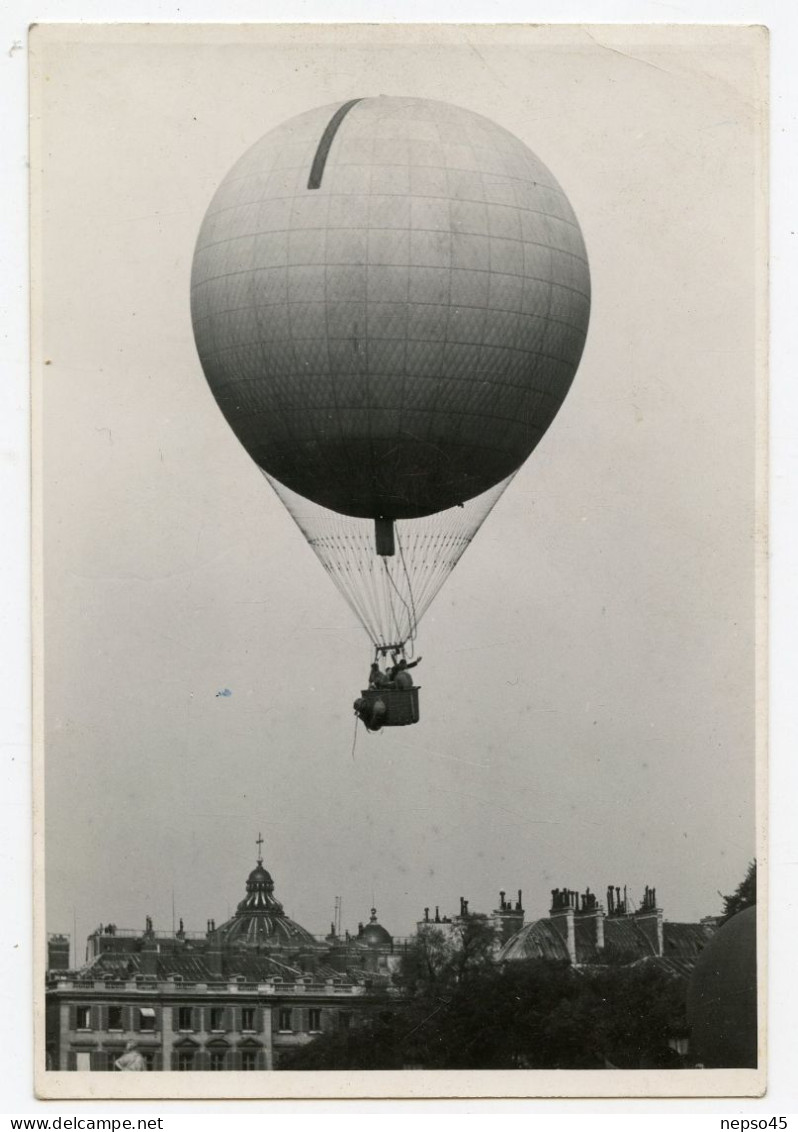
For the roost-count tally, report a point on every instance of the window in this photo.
(82, 1017)
(217, 1017)
(147, 1019)
(248, 1018)
(314, 1021)
(248, 1058)
(284, 1020)
(83, 1062)
(344, 1020)
(185, 1060)
(184, 1019)
(217, 1060)
(114, 1017)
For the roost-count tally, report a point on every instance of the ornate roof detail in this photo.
(259, 921)
(374, 934)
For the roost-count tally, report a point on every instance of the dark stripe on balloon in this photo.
(320, 160)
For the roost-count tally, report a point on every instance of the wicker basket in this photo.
(401, 704)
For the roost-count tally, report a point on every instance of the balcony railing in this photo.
(137, 933)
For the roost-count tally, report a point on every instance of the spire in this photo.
(259, 844)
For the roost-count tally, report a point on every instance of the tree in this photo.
(744, 895)
(370, 1045)
(634, 1013)
(529, 1014)
(444, 957)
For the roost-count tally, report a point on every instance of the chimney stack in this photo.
(506, 919)
(649, 920)
(592, 911)
(149, 954)
(562, 916)
(58, 953)
(214, 952)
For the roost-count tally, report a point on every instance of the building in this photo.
(233, 997)
(579, 930)
(238, 996)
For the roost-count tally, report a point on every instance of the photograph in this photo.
(399, 540)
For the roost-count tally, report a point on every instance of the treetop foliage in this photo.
(454, 1007)
(744, 895)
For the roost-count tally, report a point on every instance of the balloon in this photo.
(398, 339)
(390, 298)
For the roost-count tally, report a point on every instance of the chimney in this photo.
(213, 954)
(649, 920)
(591, 911)
(506, 919)
(149, 954)
(562, 916)
(616, 904)
(58, 953)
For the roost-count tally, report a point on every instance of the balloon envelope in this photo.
(390, 299)
(722, 997)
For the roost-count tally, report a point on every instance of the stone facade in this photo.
(232, 998)
(195, 1026)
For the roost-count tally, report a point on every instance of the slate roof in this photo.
(536, 940)
(686, 940)
(545, 939)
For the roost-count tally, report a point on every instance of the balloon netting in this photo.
(389, 595)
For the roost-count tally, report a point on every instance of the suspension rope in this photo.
(412, 610)
(389, 602)
(408, 610)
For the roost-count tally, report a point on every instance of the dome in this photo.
(260, 884)
(390, 298)
(374, 934)
(260, 922)
(722, 997)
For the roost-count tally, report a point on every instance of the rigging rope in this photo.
(412, 611)
(388, 602)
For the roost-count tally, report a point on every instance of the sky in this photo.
(588, 677)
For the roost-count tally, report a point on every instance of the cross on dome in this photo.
(259, 844)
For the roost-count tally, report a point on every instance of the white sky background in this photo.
(587, 703)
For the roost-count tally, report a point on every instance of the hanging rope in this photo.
(412, 610)
(400, 635)
(389, 603)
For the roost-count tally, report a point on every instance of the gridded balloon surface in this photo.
(397, 338)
